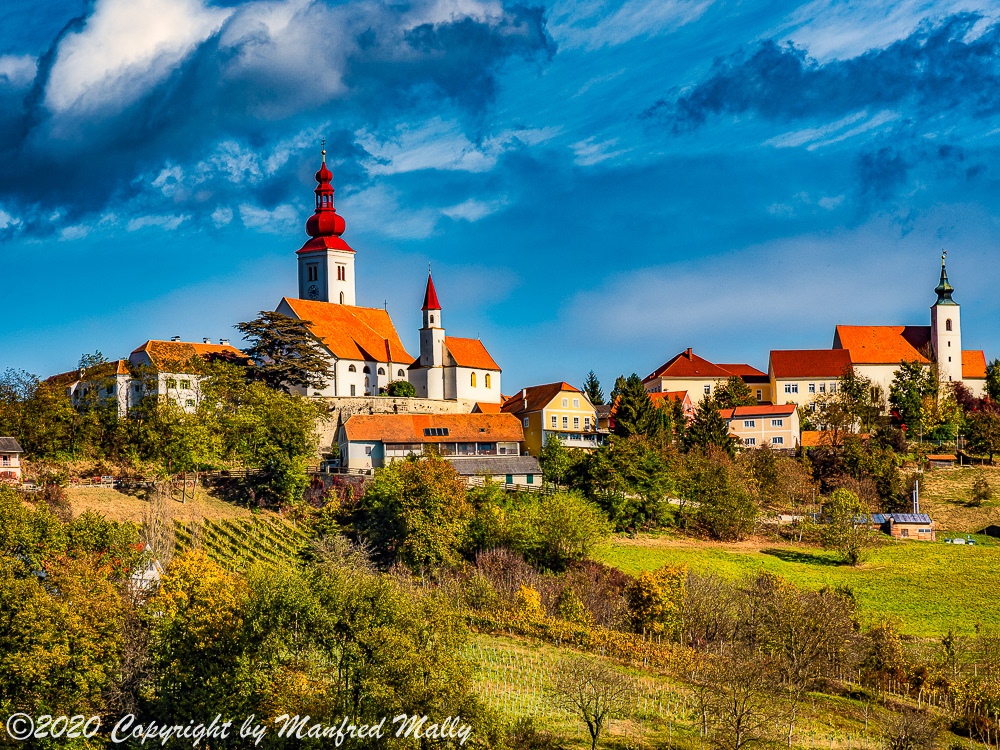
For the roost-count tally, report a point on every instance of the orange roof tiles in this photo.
(535, 397)
(688, 365)
(482, 407)
(173, 355)
(470, 353)
(116, 367)
(361, 333)
(883, 345)
(745, 371)
(809, 363)
(409, 428)
(973, 364)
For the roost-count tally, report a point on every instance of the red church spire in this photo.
(325, 225)
(430, 296)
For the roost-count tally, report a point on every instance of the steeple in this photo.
(943, 288)
(325, 225)
(326, 262)
(430, 296)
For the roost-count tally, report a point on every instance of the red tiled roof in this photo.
(883, 345)
(942, 457)
(537, 397)
(409, 428)
(688, 365)
(116, 367)
(761, 410)
(484, 407)
(810, 363)
(973, 364)
(744, 371)
(470, 353)
(173, 355)
(675, 395)
(361, 333)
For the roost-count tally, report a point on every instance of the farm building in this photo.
(519, 471)
(10, 460)
(918, 526)
(942, 461)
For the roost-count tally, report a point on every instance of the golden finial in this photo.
(323, 143)
(943, 253)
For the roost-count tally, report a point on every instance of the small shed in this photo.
(916, 526)
(10, 460)
(942, 461)
(517, 471)
(991, 530)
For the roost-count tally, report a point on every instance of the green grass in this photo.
(930, 586)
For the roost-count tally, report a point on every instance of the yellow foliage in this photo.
(528, 602)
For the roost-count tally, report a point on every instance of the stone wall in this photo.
(343, 408)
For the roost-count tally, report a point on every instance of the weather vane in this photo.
(943, 253)
(323, 144)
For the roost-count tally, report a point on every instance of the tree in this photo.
(634, 411)
(629, 478)
(555, 460)
(993, 380)
(592, 387)
(741, 702)
(981, 491)
(709, 429)
(724, 508)
(592, 689)
(734, 392)
(284, 353)
(860, 398)
(982, 432)
(553, 531)
(910, 385)
(656, 600)
(401, 388)
(848, 529)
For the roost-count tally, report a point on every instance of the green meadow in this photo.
(929, 586)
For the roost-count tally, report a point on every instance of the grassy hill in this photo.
(930, 586)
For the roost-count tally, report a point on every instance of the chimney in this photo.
(223, 342)
(206, 341)
(688, 353)
(175, 338)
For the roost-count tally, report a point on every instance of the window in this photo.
(749, 422)
(367, 384)
(436, 432)
(6, 460)
(555, 420)
(750, 441)
(777, 423)
(906, 532)
(949, 359)
(381, 371)
(947, 324)
(949, 343)
(366, 369)
(565, 402)
(777, 440)
(586, 423)
(576, 423)
(399, 373)
(822, 387)
(472, 379)
(432, 320)
(576, 403)
(708, 390)
(565, 423)
(488, 384)
(341, 298)
(368, 450)
(352, 390)
(352, 368)
(510, 479)
(111, 389)
(189, 402)
(311, 272)
(171, 383)
(833, 387)
(530, 478)
(186, 384)
(812, 387)
(760, 395)
(526, 421)
(341, 273)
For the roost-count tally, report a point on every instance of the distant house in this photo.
(98, 384)
(516, 471)
(801, 375)
(687, 406)
(484, 407)
(369, 441)
(765, 424)
(554, 409)
(146, 577)
(696, 375)
(174, 365)
(10, 460)
(916, 526)
(942, 461)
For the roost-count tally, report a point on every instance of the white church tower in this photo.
(946, 330)
(431, 346)
(326, 262)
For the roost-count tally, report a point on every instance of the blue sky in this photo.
(598, 184)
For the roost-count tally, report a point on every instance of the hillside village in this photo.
(706, 545)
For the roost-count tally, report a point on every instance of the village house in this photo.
(513, 471)
(554, 410)
(175, 366)
(699, 377)
(799, 376)
(98, 384)
(909, 526)
(370, 441)
(10, 460)
(765, 424)
(687, 406)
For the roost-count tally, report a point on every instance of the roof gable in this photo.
(349, 332)
(809, 363)
(536, 397)
(174, 356)
(10, 445)
(470, 353)
(689, 365)
(883, 345)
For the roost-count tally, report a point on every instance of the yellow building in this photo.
(556, 409)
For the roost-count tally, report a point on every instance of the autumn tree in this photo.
(848, 528)
(593, 690)
(656, 600)
(982, 432)
(912, 383)
(284, 352)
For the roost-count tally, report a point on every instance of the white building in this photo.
(10, 460)
(450, 367)
(174, 367)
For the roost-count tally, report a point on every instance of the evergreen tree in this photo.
(617, 391)
(993, 380)
(635, 413)
(734, 392)
(709, 430)
(284, 352)
(592, 387)
(910, 385)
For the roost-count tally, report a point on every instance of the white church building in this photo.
(365, 350)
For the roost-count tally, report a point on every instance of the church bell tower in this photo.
(946, 330)
(326, 262)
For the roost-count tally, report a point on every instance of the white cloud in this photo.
(278, 221)
(828, 135)
(167, 223)
(830, 203)
(7, 221)
(591, 151)
(125, 48)
(474, 210)
(378, 210)
(19, 70)
(74, 232)
(239, 165)
(592, 24)
(222, 216)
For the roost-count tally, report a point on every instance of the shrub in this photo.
(480, 595)
(656, 600)
(981, 491)
(529, 603)
(401, 388)
(569, 607)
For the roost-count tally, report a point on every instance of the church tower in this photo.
(326, 262)
(432, 343)
(946, 330)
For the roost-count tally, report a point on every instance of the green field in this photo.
(930, 586)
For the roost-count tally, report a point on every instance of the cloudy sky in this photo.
(598, 184)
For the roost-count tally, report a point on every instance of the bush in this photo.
(555, 530)
(480, 595)
(529, 603)
(401, 388)
(981, 490)
(656, 600)
(570, 608)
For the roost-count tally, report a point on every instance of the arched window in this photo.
(947, 324)
(352, 368)
(488, 381)
(366, 381)
(341, 298)
(473, 380)
(399, 373)
(366, 370)
(381, 371)
(432, 320)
